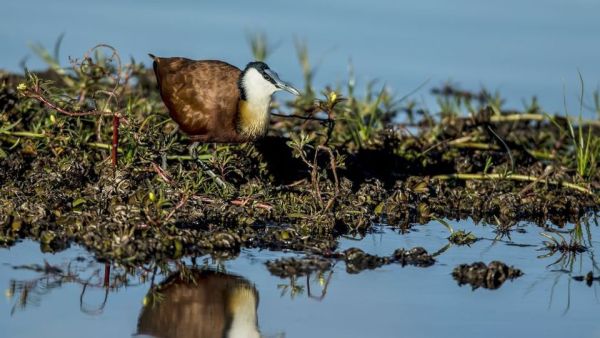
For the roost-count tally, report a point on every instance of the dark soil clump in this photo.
(295, 267)
(415, 256)
(479, 275)
(357, 260)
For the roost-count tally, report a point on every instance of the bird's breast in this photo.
(253, 118)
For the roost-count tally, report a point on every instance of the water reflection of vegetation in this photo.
(294, 289)
(203, 293)
(571, 250)
(572, 247)
(79, 271)
(569, 245)
(86, 273)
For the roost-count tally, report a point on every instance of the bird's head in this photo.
(259, 82)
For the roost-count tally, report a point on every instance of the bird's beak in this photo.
(280, 84)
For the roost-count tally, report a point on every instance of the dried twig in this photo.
(511, 177)
(179, 205)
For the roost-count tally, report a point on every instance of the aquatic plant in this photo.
(88, 154)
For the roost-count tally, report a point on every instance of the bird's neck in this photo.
(253, 108)
(253, 118)
(242, 309)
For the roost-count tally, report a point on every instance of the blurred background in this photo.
(520, 48)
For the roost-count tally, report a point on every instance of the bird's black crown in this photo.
(258, 65)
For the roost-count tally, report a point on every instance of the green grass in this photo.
(585, 143)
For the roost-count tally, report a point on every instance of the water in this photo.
(391, 301)
(521, 48)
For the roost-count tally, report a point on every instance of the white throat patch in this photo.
(258, 90)
(254, 112)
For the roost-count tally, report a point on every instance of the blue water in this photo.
(391, 301)
(521, 48)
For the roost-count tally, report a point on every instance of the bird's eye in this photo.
(266, 76)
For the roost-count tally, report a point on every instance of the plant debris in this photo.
(589, 278)
(295, 267)
(416, 256)
(479, 275)
(358, 260)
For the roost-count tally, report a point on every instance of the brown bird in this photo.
(213, 101)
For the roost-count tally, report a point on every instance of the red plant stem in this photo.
(181, 203)
(115, 140)
(51, 105)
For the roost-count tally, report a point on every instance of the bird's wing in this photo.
(199, 94)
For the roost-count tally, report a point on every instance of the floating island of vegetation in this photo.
(89, 155)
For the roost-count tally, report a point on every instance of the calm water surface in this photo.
(521, 48)
(391, 301)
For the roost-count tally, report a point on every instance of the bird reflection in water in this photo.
(200, 303)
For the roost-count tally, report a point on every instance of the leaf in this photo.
(78, 202)
(379, 208)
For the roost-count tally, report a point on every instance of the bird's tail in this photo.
(155, 67)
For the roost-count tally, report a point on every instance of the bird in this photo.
(213, 101)
(200, 303)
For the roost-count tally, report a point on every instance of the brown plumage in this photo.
(201, 304)
(210, 99)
